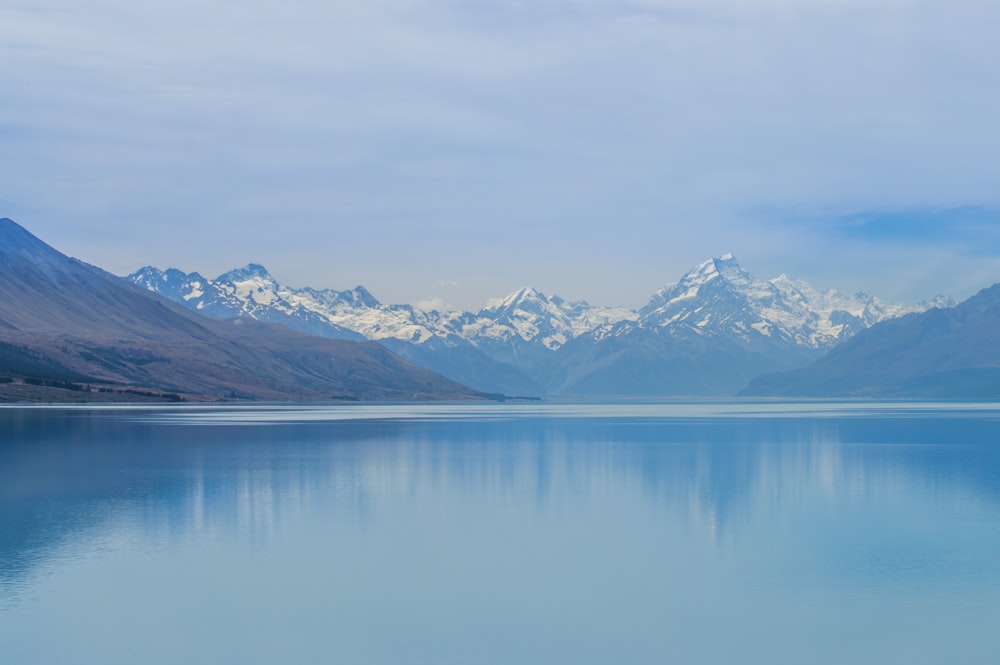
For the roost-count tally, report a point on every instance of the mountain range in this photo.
(709, 333)
(71, 331)
(940, 353)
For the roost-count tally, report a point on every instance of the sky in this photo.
(449, 152)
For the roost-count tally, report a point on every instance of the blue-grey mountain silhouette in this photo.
(65, 324)
(949, 352)
(708, 334)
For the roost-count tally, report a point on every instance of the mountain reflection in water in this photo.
(732, 504)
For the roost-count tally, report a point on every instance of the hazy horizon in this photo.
(446, 152)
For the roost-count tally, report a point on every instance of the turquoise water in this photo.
(687, 532)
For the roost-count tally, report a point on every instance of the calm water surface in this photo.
(732, 532)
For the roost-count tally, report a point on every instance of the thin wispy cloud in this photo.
(593, 148)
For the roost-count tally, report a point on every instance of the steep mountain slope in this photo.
(525, 327)
(527, 315)
(719, 297)
(710, 333)
(643, 361)
(64, 320)
(943, 352)
(248, 292)
(430, 339)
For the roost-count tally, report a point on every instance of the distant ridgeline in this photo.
(710, 333)
(71, 331)
(940, 353)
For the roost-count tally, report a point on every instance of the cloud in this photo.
(432, 303)
(973, 229)
(601, 146)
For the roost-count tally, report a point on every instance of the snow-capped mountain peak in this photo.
(249, 271)
(172, 283)
(251, 285)
(725, 266)
(149, 276)
(357, 298)
(525, 296)
(714, 277)
(528, 315)
(718, 298)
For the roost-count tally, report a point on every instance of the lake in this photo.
(683, 532)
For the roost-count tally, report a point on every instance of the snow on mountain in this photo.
(530, 316)
(359, 311)
(525, 316)
(245, 292)
(716, 299)
(719, 297)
